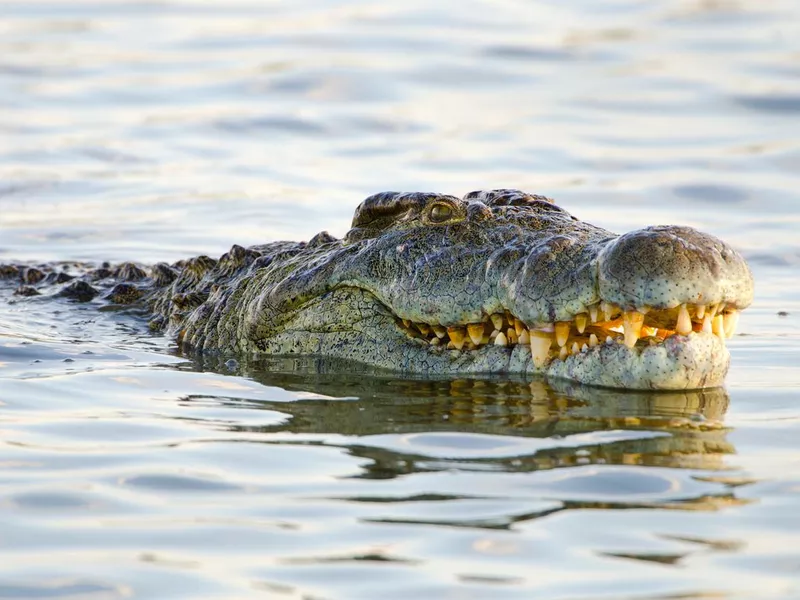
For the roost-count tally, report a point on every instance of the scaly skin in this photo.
(442, 261)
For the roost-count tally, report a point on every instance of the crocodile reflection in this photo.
(693, 435)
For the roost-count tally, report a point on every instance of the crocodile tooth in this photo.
(439, 331)
(475, 331)
(501, 340)
(524, 337)
(632, 322)
(497, 321)
(540, 347)
(609, 339)
(493, 334)
(406, 323)
(593, 313)
(718, 325)
(584, 348)
(563, 353)
(684, 325)
(610, 310)
(511, 335)
(580, 322)
(423, 328)
(593, 341)
(604, 311)
(435, 341)
(707, 319)
(700, 311)
(456, 336)
(730, 321)
(562, 332)
(519, 326)
(575, 348)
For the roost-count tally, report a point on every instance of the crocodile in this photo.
(499, 281)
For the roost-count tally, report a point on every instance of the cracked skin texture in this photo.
(438, 259)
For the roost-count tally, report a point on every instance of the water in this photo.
(158, 130)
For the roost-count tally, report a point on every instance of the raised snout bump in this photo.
(666, 266)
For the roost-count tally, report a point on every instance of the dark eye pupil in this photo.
(440, 212)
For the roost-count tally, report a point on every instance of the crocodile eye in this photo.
(441, 212)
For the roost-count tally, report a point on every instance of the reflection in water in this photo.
(574, 437)
(688, 425)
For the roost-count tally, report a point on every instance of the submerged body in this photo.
(497, 282)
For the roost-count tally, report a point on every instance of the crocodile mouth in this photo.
(603, 323)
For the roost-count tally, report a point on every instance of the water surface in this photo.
(157, 130)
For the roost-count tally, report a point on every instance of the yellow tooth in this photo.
(497, 321)
(580, 322)
(707, 319)
(604, 310)
(610, 310)
(718, 325)
(593, 313)
(439, 331)
(575, 348)
(435, 341)
(730, 321)
(700, 311)
(524, 337)
(475, 331)
(562, 332)
(593, 341)
(406, 323)
(584, 348)
(632, 323)
(540, 347)
(563, 353)
(500, 340)
(511, 335)
(423, 328)
(519, 326)
(456, 336)
(493, 334)
(684, 325)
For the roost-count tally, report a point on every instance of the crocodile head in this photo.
(498, 282)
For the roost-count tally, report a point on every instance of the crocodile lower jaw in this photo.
(678, 348)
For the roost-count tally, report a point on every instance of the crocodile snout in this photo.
(665, 266)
